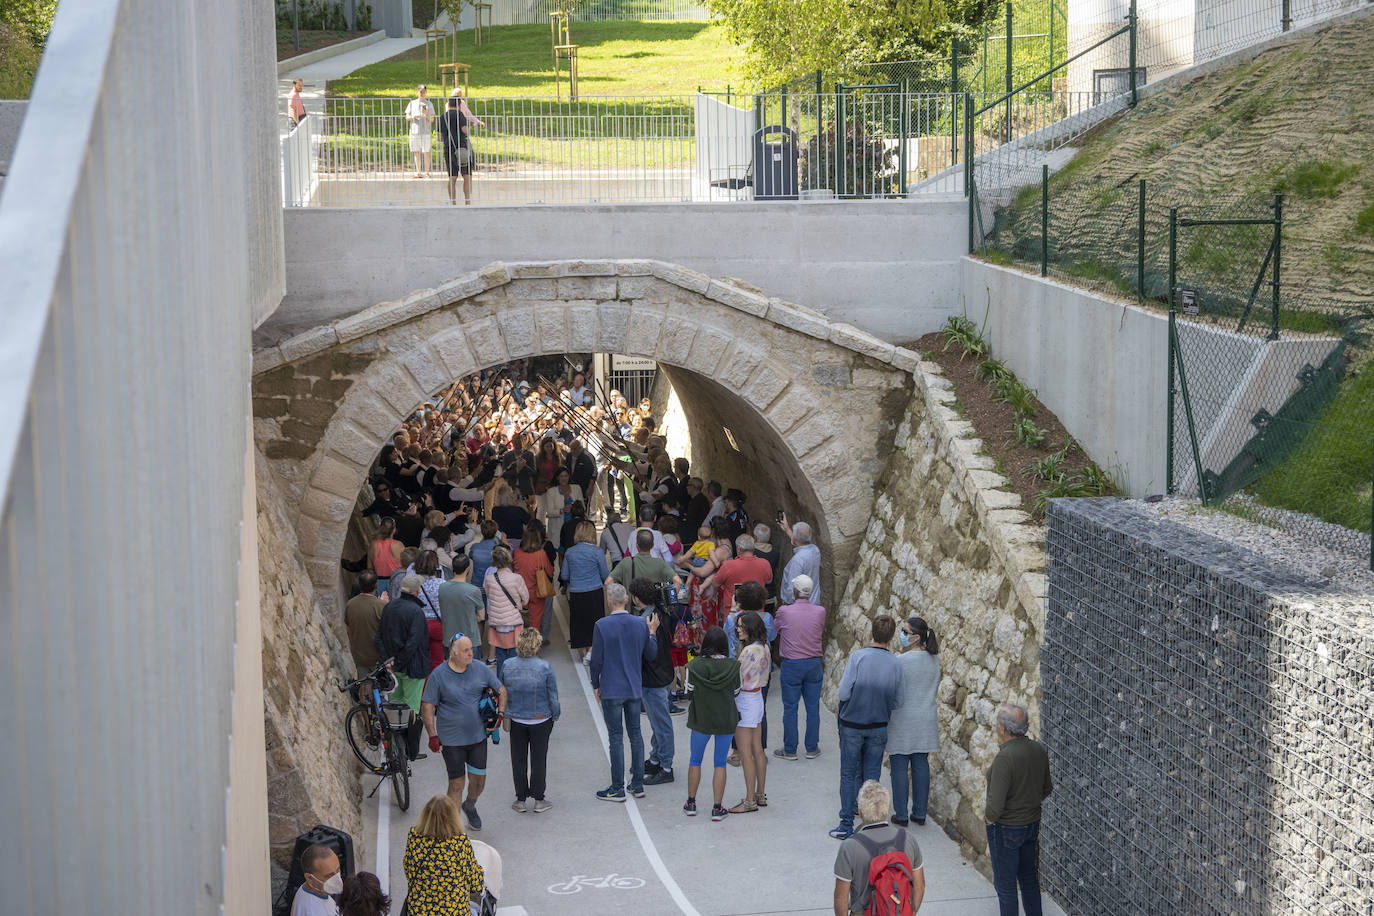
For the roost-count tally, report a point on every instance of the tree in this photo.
(786, 39)
(32, 18)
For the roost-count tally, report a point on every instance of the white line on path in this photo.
(645, 841)
(383, 865)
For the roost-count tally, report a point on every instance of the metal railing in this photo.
(536, 12)
(855, 142)
(299, 164)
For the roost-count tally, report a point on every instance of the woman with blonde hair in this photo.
(443, 875)
(507, 598)
(532, 708)
(584, 571)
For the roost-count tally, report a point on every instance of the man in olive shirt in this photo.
(643, 565)
(1018, 781)
(362, 614)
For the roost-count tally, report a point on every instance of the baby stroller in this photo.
(490, 860)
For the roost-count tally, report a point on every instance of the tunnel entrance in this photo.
(773, 398)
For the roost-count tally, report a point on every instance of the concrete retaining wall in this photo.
(310, 57)
(888, 267)
(1207, 713)
(1101, 365)
(946, 543)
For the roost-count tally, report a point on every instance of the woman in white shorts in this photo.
(420, 116)
(754, 662)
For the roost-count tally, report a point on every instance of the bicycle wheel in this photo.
(365, 737)
(399, 767)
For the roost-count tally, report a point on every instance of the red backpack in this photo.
(890, 878)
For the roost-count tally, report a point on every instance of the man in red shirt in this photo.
(745, 567)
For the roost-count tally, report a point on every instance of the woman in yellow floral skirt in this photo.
(442, 874)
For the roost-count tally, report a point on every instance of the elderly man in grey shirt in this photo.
(806, 561)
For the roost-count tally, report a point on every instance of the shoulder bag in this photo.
(543, 585)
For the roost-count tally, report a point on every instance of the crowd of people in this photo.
(514, 490)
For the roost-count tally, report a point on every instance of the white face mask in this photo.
(334, 885)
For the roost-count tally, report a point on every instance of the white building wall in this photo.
(140, 240)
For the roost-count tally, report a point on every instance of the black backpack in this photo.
(320, 835)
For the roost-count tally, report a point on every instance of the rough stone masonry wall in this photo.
(944, 542)
(312, 777)
(1208, 715)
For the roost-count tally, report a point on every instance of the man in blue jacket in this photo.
(621, 643)
(869, 690)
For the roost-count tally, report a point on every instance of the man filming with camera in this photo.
(644, 566)
(654, 599)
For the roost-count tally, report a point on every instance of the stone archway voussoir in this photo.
(613, 321)
(551, 328)
(518, 331)
(452, 348)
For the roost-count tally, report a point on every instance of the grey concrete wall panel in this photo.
(1207, 714)
(140, 234)
(393, 16)
(888, 267)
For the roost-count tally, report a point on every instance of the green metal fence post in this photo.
(1131, 62)
(820, 125)
(968, 163)
(1287, 21)
(953, 100)
(1140, 248)
(840, 140)
(1044, 220)
(1278, 250)
(1009, 83)
(1169, 484)
(902, 129)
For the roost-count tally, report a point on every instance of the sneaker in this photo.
(651, 768)
(718, 812)
(745, 806)
(676, 710)
(920, 821)
(470, 809)
(518, 806)
(539, 806)
(611, 793)
(812, 755)
(690, 808)
(659, 778)
(637, 791)
(784, 754)
(842, 832)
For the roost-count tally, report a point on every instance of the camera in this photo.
(668, 595)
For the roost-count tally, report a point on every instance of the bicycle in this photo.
(376, 731)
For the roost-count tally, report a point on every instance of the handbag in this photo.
(543, 585)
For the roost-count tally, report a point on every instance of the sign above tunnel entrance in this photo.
(621, 363)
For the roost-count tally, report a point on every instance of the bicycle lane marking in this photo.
(641, 832)
(382, 868)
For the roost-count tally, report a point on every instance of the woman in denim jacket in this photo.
(531, 710)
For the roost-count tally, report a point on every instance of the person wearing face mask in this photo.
(323, 879)
(913, 732)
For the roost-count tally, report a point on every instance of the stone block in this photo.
(551, 326)
(793, 317)
(352, 444)
(646, 323)
(487, 344)
(612, 326)
(906, 360)
(986, 480)
(460, 288)
(387, 315)
(846, 335)
(877, 378)
(532, 289)
(642, 287)
(494, 275)
(582, 326)
(266, 359)
(323, 573)
(792, 408)
(737, 298)
(811, 433)
(832, 375)
(738, 366)
(336, 474)
(390, 379)
(327, 507)
(764, 388)
(708, 348)
(675, 343)
(517, 328)
(373, 415)
(307, 343)
(452, 349)
(630, 267)
(426, 368)
(536, 269)
(681, 276)
(600, 268)
(595, 288)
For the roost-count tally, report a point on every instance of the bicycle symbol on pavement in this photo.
(617, 882)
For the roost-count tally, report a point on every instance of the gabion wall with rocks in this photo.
(946, 542)
(1207, 703)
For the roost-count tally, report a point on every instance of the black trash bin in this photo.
(775, 163)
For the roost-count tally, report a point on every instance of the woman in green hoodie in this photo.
(712, 682)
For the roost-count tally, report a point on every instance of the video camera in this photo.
(668, 594)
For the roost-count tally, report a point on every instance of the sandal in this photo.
(745, 806)
(761, 799)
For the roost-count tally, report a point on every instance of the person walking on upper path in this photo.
(913, 732)
(450, 709)
(1018, 782)
(870, 689)
(621, 642)
(420, 118)
(801, 627)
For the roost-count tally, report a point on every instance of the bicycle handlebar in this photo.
(370, 676)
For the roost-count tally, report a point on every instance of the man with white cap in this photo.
(801, 626)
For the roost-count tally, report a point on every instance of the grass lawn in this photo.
(615, 58)
(18, 64)
(310, 40)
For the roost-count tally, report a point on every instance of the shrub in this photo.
(1019, 397)
(962, 331)
(1027, 433)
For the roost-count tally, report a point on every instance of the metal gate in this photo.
(632, 376)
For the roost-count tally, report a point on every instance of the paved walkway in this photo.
(778, 861)
(340, 65)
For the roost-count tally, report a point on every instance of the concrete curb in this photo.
(498, 274)
(314, 57)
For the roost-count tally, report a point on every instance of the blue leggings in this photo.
(699, 742)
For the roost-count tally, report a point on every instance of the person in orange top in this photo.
(384, 556)
(528, 559)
